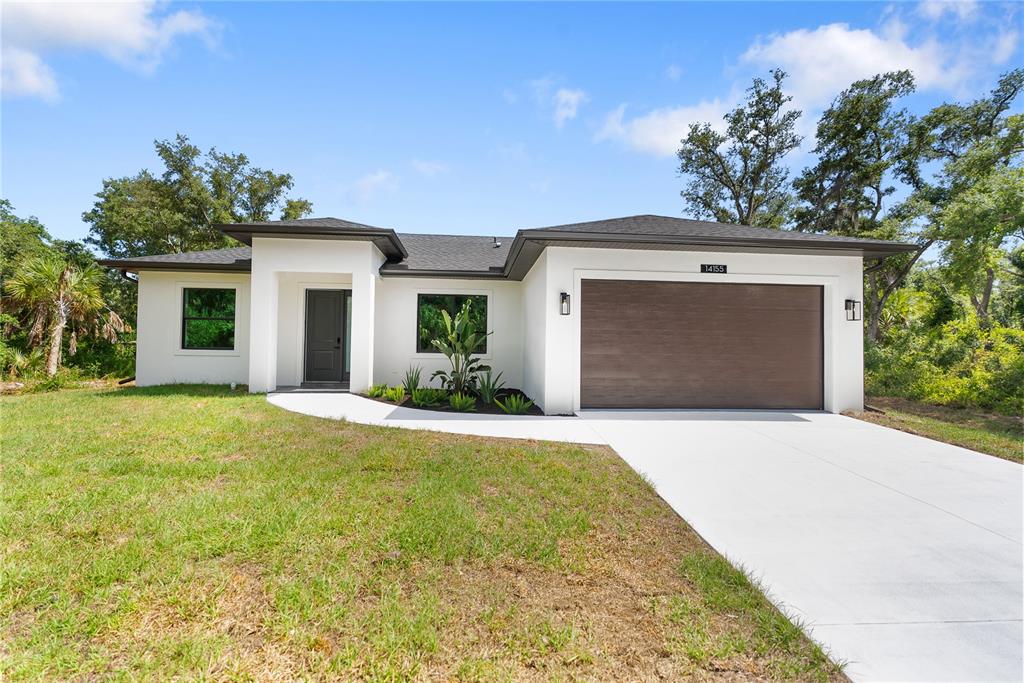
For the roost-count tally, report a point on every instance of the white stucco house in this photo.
(637, 312)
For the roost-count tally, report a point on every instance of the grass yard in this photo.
(998, 435)
(195, 532)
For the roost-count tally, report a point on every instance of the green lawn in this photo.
(195, 532)
(998, 435)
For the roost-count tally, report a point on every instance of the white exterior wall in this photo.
(159, 358)
(279, 260)
(841, 277)
(395, 338)
(535, 347)
(534, 318)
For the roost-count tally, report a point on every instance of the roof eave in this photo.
(136, 266)
(386, 239)
(457, 274)
(867, 249)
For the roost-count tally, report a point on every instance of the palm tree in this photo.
(57, 295)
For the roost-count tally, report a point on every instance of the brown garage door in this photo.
(700, 345)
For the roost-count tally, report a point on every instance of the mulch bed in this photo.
(481, 407)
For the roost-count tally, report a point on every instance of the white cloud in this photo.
(673, 72)
(136, 35)
(659, 131)
(567, 104)
(24, 74)
(1005, 45)
(934, 10)
(428, 168)
(823, 61)
(364, 189)
(563, 103)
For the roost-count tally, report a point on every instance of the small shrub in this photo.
(488, 386)
(377, 390)
(426, 397)
(462, 402)
(515, 404)
(396, 394)
(411, 381)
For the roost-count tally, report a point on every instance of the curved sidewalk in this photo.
(366, 411)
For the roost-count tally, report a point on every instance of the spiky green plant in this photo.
(396, 394)
(515, 404)
(462, 402)
(411, 381)
(427, 397)
(488, 386)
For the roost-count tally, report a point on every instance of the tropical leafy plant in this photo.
(61, 296)
(462, 402)
(396, 394)
(515, 404)
(458, 343)
(18, 363)
(488, 386)
(426, 397)
(411, 381)
(377, 390)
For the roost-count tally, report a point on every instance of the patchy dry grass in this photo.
(998, 435)
(195, 532)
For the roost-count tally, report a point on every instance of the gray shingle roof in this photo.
(473, 255)
(451, 252)
(234, 258)
(668, 226)
(329, 223)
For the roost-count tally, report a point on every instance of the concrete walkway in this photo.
(902, 555)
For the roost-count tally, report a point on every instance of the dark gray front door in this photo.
(324, 333)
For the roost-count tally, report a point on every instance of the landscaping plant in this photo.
(377, 390)
(411, 382)
(462, 402)
(427, 397)
(515, 404)
(458, 343)
(488, 386)
(396, 394)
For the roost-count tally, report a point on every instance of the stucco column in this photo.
(263, 327)
(364, 286)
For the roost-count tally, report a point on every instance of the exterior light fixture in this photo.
(563, 303)
(854, 310)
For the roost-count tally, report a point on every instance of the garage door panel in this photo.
(700, 345)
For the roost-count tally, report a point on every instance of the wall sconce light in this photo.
(563, 303)
(854, 310)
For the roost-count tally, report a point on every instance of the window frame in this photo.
(185, 317)
(431, 352)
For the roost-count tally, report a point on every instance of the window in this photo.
(208, 319)
(430, 323)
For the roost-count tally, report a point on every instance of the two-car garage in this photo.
(660, 344)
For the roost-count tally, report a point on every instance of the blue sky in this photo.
(454, 118)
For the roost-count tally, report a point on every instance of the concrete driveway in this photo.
(902, 555)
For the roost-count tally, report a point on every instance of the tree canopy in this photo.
(737, 176)
(176, 211)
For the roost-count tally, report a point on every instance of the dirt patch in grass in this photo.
(992, 433)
